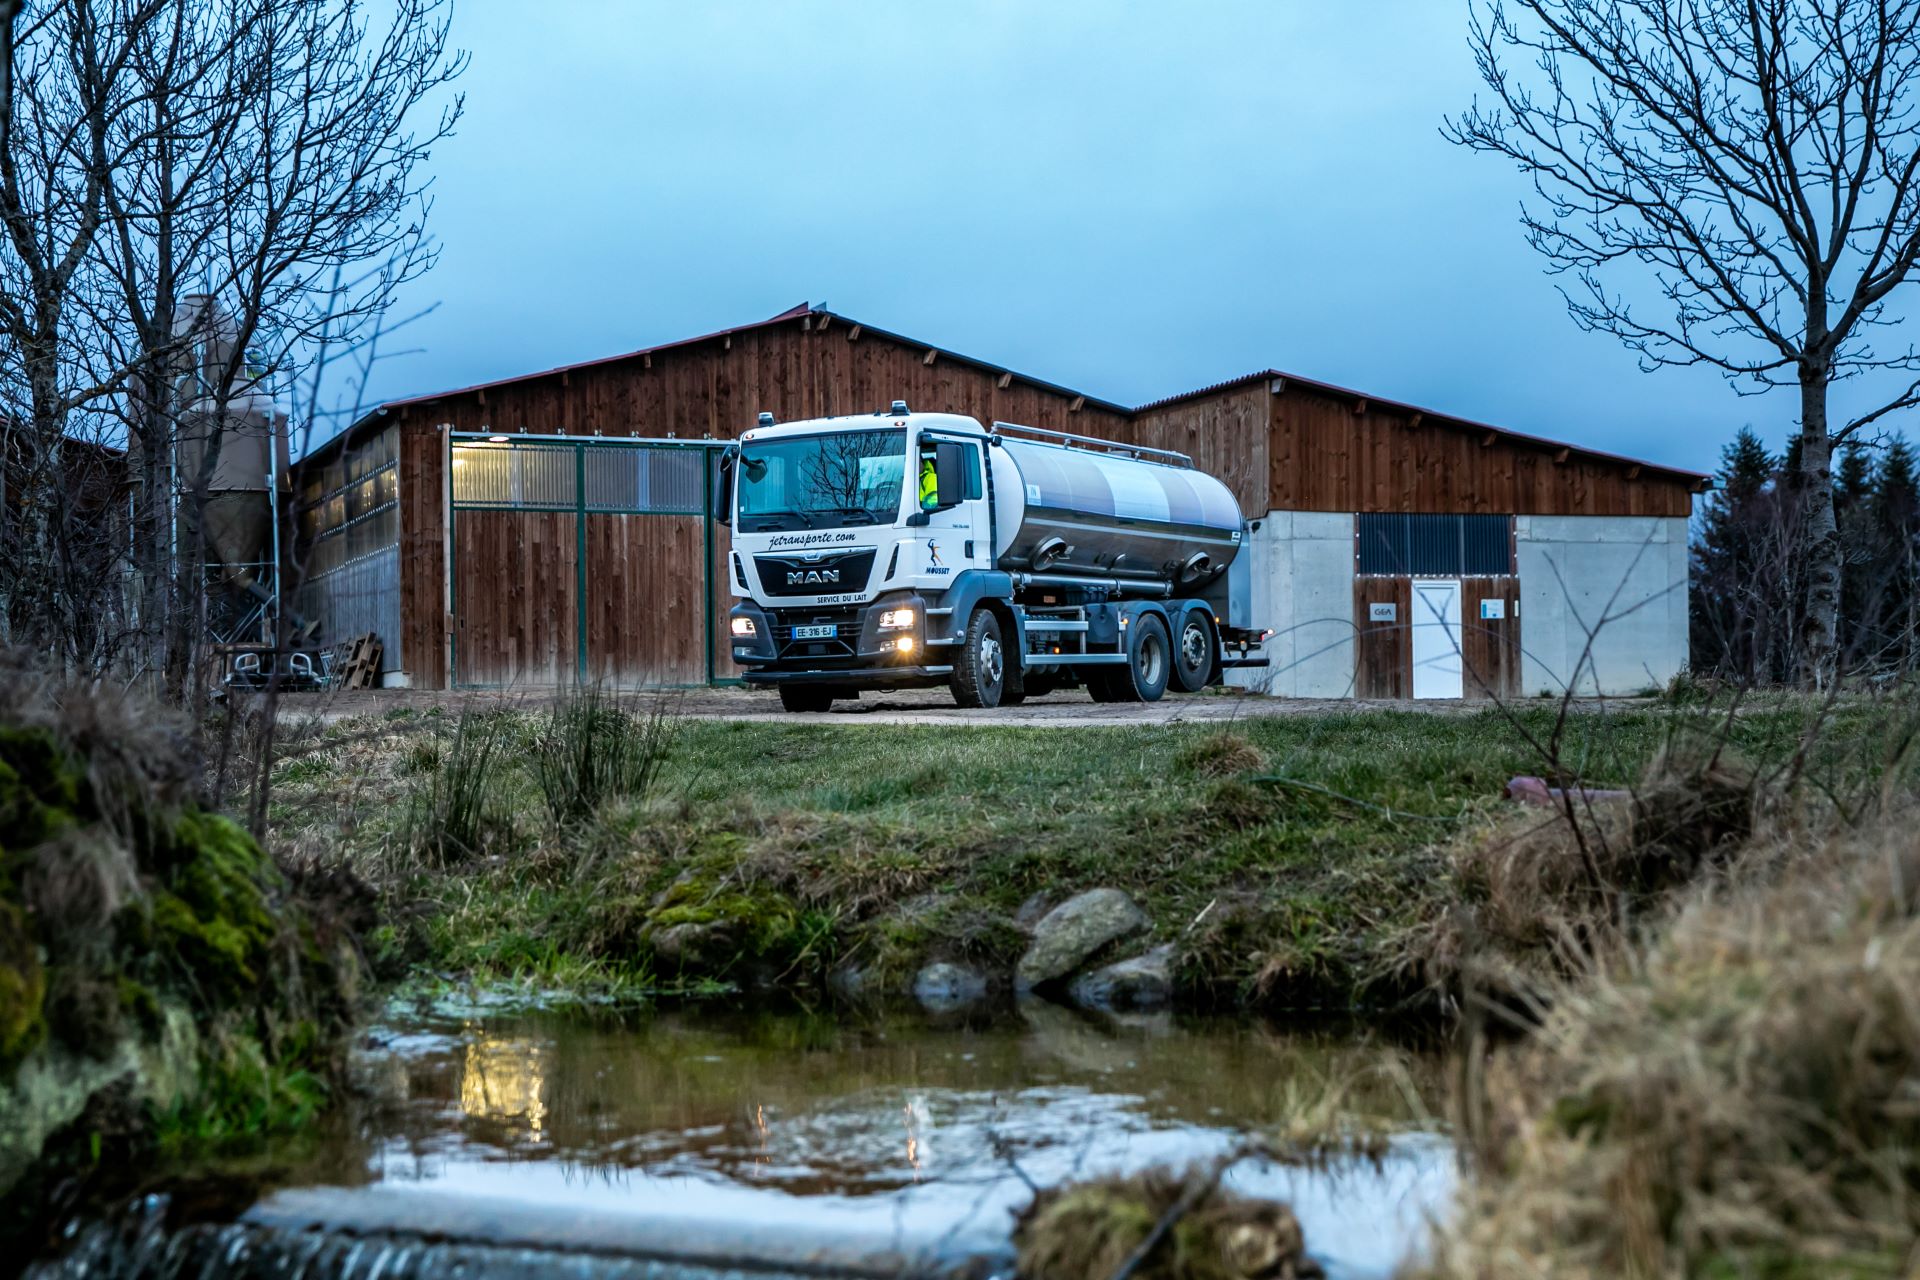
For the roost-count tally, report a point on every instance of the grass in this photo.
(1731, 1096)
(1288, 857)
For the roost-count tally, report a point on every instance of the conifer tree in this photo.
(1894, 515)
(1861, 581)
(1736, 599)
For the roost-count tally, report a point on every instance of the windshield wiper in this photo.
(777, 521)
(858, 515)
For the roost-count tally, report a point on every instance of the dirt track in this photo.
(1072, 709)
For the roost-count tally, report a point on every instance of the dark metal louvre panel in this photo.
(1427, 545)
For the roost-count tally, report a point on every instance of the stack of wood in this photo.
(356, 663)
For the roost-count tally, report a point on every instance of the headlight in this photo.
(744, 627)
(894, 619)
(904, 644)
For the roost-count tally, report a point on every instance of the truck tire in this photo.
(1193, 652)
(1149, 662)
(805, 697)
(980, 668)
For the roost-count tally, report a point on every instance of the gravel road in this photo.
(1065, 710)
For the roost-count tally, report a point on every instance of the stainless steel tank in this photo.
(1081, 512)
(251, 431)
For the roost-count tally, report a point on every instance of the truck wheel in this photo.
(1193, 652)
(1149, 661)
(804, 697)
(1103, 686)
(980, 668)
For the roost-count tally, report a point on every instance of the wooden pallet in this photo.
(356, 663)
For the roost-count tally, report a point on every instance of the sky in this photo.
(1130, 199)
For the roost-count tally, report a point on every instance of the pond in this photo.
(702, 1142)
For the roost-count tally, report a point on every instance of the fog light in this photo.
(894, 619)
(904, 644)
(744, 627)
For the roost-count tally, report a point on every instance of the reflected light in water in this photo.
(502, 1079)
(919, 1120)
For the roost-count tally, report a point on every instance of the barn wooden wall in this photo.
(1490, 647)
(1383, 651)
(1225, 435)
(1330, 454)
(514, 596)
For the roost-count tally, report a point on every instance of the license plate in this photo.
(815, 633)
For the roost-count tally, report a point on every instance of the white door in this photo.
(1437, 668)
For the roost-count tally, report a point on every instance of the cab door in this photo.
(958, 532)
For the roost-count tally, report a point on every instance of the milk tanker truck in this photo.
(913, 550)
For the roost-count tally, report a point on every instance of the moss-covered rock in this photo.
(151, 952)
(212, 915)
(23, 987)
(704, 927)
(41, 789)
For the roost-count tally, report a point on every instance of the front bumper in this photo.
(858, 653)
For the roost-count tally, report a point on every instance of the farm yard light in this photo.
(894, 619)
(744, 627)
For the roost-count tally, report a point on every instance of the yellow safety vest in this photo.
(929, 488)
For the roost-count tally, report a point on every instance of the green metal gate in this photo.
(577, 559)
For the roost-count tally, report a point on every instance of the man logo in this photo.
(933, 551)
(803, 577)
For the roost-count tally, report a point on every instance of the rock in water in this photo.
(1074, 932)
(1089, 1231)
(1144, 982)
(943, 987)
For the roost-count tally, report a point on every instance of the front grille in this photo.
(844, 645)
(828, 575)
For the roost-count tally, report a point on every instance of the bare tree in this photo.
(1757, 161)
(62, 92)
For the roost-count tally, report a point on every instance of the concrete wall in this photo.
(1302, 570)
(1621, 578)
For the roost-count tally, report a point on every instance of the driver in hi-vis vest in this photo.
(929, 486)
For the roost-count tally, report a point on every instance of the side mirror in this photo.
(720, 502)
(949, 473)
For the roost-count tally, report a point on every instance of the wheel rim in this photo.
(1193, 646)
(1151, 660)
(991, 663)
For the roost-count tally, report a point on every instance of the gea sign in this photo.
(802, 577)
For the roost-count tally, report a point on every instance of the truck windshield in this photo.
(827, 481)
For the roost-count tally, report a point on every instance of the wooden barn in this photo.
(553, 526)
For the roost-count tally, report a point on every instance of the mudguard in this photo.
(970, 587)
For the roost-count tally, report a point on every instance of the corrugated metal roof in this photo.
(807, 311)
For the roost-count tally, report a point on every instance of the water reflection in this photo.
(716, 1120)
(501, 1081)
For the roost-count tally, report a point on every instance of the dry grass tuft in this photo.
(1739, 1096)
(1222, 755)
(1541, 894)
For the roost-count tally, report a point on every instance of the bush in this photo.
(592, 750)
(451, 814)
